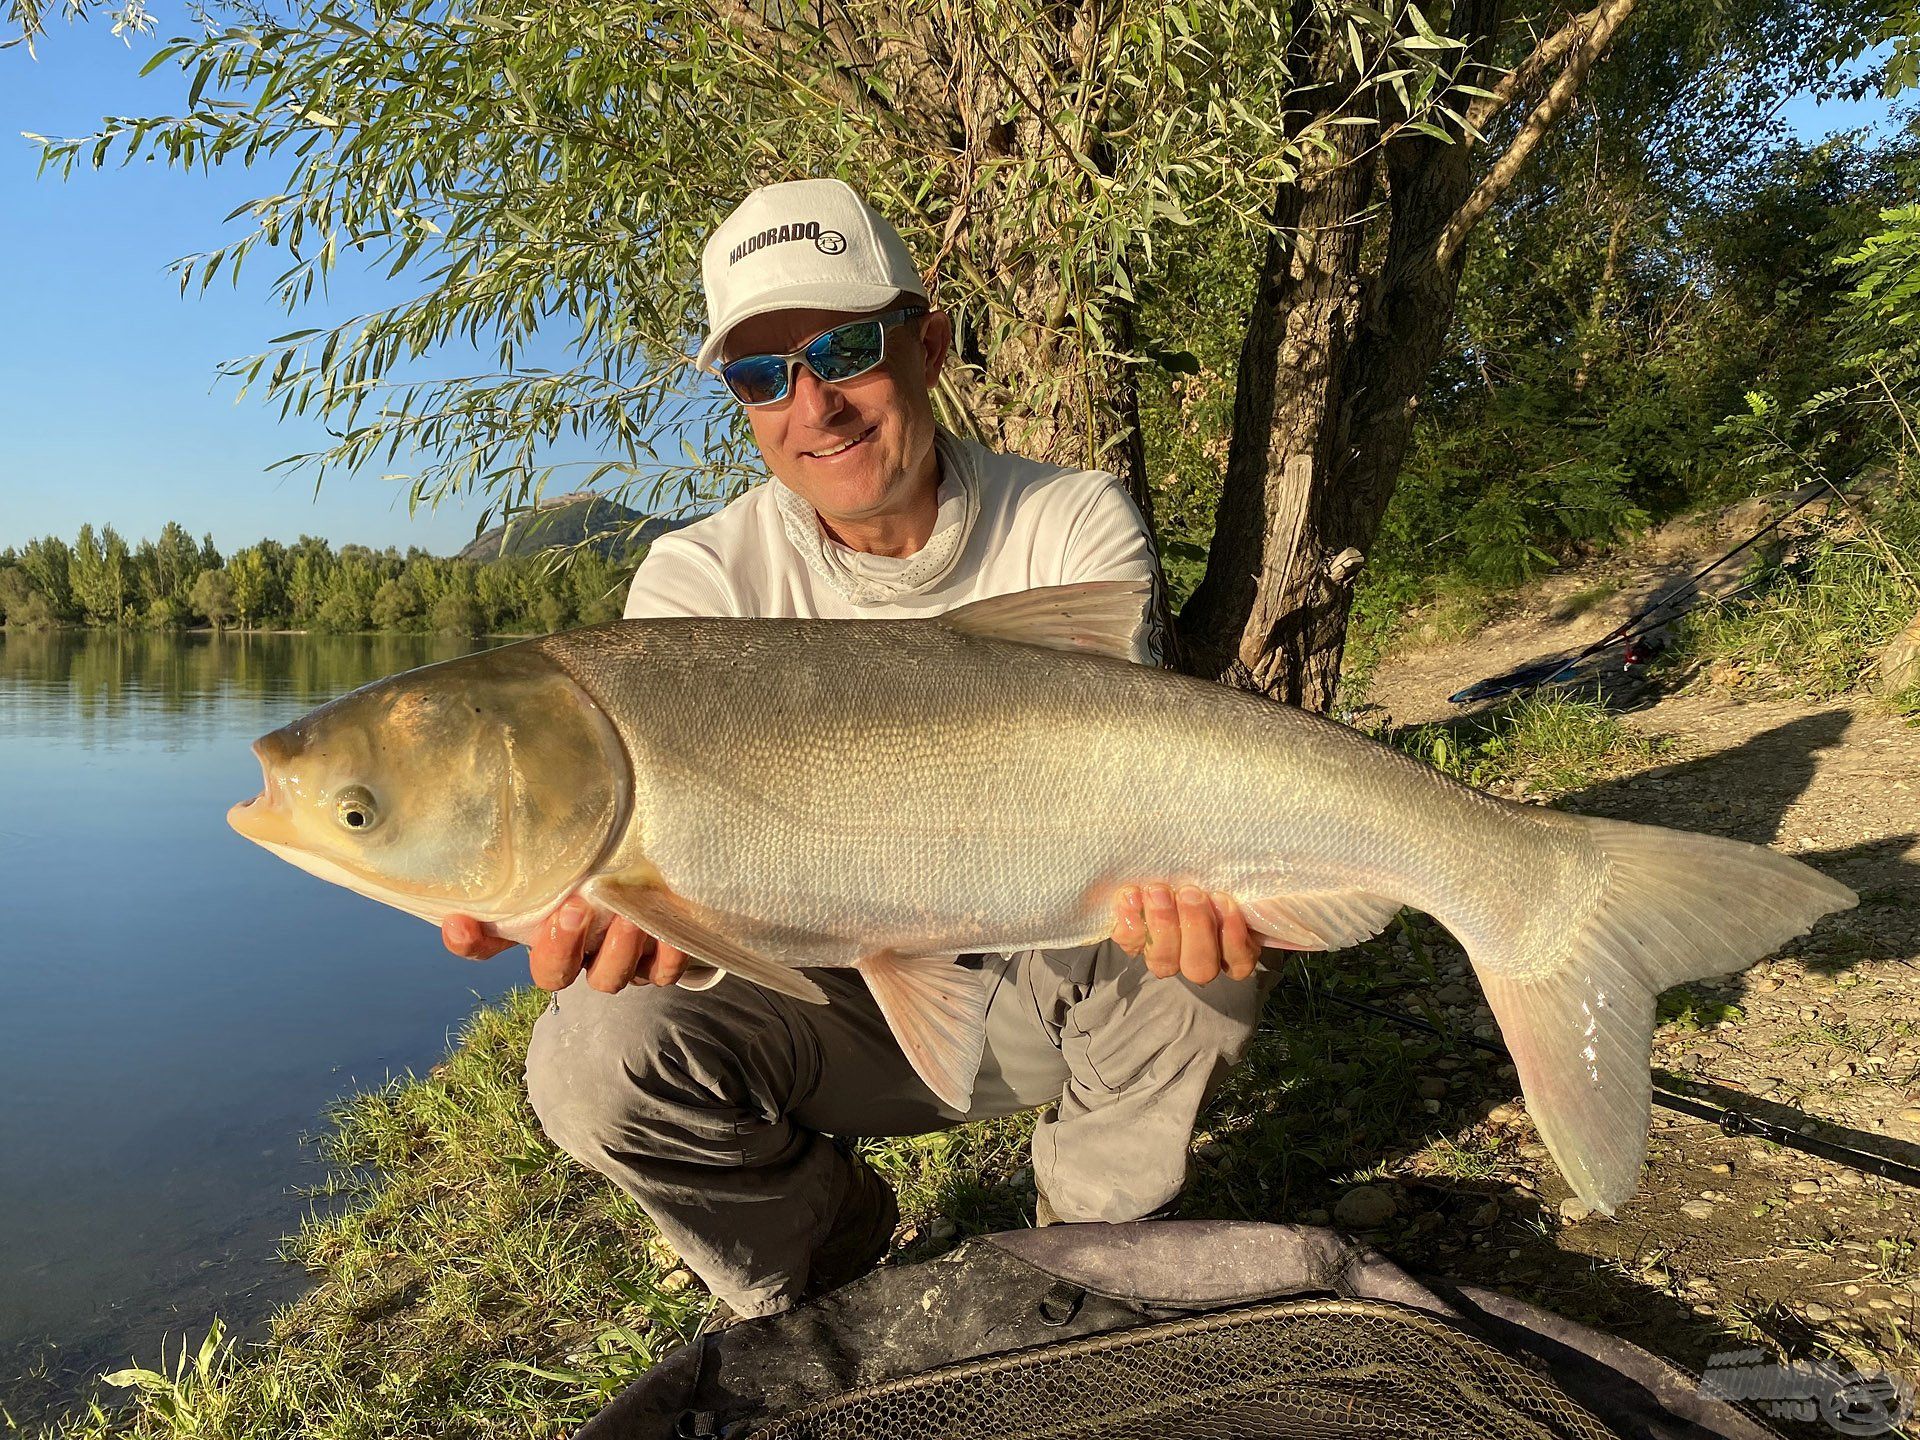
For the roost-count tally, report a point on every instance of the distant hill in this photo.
(566, 520)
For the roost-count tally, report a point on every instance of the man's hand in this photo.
(1190, 933)
(613, 951)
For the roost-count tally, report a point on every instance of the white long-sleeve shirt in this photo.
(1036, 525)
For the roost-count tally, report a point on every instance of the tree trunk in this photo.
(1334, 359)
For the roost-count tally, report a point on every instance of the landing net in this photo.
(1297, 1370)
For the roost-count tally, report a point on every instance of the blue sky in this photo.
(109, 406)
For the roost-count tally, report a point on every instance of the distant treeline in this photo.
(175, 581)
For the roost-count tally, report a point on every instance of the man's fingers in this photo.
(620, 953)
(468, 938)
(1239, 951)
(558, 947)
(1199, 935)
(1163, 930)
(1129, 921)
(669, 964)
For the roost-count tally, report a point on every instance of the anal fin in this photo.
(1320, 920)
(937, 1010)
(661, 913)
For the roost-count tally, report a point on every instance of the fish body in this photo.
(774, 795)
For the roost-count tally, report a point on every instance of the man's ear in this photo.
(936, 338)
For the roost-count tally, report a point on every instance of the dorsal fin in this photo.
(1104, 616)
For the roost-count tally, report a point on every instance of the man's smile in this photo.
(831, 451)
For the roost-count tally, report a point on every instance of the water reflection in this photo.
(176, 1006)
(139, 687)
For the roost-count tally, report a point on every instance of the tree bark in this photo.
(1335, 357)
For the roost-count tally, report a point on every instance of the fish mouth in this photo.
(263, 819)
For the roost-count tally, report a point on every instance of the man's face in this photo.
(887, 413)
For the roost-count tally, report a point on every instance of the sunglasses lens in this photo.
(846, 352)
(757, 379)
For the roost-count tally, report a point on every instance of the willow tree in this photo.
(550, 170)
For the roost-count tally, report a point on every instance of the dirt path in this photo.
(1733, 1242)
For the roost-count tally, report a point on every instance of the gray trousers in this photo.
(711, 1107)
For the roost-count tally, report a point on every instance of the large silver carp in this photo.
(770, 795)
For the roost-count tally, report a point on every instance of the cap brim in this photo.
(855, 299)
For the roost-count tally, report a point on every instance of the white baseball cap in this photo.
(800, 245)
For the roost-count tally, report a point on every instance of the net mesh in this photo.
(1276, 1372)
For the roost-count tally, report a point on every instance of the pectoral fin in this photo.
(1321, 920)
(659, 912)
(937, 1010)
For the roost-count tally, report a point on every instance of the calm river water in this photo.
(177, 1008)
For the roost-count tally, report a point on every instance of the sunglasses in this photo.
(839, 354)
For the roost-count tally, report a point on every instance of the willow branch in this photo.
(1602, 22)
(1527, 75)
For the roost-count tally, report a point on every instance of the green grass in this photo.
(1550, 742)
(1573, 606)
(1682, 1009)
(1396, 610)
(1815, 632)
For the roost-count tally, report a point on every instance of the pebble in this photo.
(1486, 1215)
(1816, 1312)
(1721, 1167)
(943, 1229)
(675, 1281)
(1697, 1209)
(1022, 1179)
(1430, 1087)
(1880, 1302)
(1432, 1107)
(1507, 1114)
(1364, 1207)
(1805, 1187)
(1849, 1180)
(1573, 1210)
(1315, 1217)
(1851, 1290)
(1912, 1117)
(1533, 1150)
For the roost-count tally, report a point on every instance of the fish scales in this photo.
(901, 785)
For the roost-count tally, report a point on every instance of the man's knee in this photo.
(649, 1069)
(1135, 1025)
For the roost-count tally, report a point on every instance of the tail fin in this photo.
(1575, 996)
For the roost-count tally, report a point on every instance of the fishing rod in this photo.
(1731, 1119)
(1545, 672)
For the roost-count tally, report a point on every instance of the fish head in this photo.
(485, 786)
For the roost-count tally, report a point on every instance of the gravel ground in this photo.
(1733, 1243)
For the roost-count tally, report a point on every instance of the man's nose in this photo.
(815, 401)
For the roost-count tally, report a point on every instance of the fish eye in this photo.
(355, 808)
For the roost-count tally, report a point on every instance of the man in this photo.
(714, 1108)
